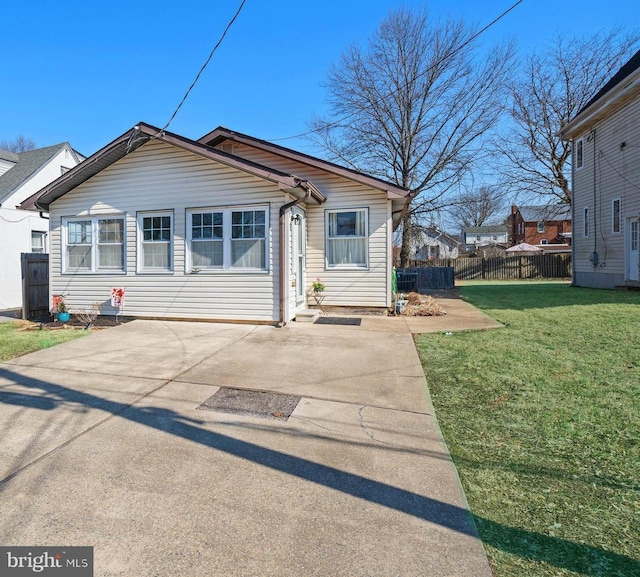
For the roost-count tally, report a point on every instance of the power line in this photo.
(204, 65)
(445, 57)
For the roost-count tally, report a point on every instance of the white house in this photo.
(431, 243)
(605, 137)
(229, 227)
(474, 237)
(23, 174)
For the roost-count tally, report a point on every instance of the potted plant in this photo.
(62, 311)
(318, 286)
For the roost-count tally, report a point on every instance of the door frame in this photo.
(632, 244)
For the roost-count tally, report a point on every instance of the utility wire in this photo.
(204, 65)
(445, 57)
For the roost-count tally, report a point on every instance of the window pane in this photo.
(248, 253)
(156, 222)
(79, 257)
(110, 230)
(37, 242)
(347, 251)
(79, 232)
(207, 253)
(156, 255)
(110, 257)
(207, 219)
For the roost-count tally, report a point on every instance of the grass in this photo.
(16, 341)
(542, 421)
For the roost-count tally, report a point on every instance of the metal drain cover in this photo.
(356, 322)
(251, 403)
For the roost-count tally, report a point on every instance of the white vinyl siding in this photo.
(157, 178)
(354, 286)
(615, 169)
(93, 244)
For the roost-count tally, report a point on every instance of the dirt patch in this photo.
(74, 322)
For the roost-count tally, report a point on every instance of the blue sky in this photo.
(85, 72)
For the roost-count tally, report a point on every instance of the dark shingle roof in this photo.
(631, 66)
(545, 213)
(8, 155)
(27, 164)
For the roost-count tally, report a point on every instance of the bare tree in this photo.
(413, 106)
(479, 207)
(20, 144)
(555, 85)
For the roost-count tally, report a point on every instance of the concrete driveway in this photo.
(102, 443)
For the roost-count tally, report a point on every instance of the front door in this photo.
(633, 240)
(299, 236)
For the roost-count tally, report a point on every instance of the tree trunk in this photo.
(405, 249)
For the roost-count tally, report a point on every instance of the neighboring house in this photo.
(474, 237)
(21, 175)
(431, 242)
(541, 225)
(605, 138)
(228, 227)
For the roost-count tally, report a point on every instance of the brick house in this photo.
(540, 225)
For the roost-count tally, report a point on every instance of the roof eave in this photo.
(611, 101)
(220, 134)
(141, 134)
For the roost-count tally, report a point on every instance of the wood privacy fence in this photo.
(502, 268)
(35, 285)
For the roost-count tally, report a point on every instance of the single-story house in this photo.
(432, 243)
(228, 227)
(23, 174)
(605, 137)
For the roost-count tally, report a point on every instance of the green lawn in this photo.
(15, 341)
(542, 421)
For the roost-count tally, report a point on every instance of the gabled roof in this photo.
(140, 135)
(27, 164)
(221, 134)
(8, 155)
(623, 87)
(435, 233)
(545, 213)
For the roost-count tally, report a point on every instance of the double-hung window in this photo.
(616, 216)
(155, 242)
(579, 151)
(227, 239)
(347, 239)
(38, 241)
(94, 244)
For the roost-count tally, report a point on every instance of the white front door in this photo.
(633, 240)
(299, 237)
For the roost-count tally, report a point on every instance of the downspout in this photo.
(281, 272)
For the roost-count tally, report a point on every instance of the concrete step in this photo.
(307, 315)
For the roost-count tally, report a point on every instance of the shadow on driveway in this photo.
(583, 559)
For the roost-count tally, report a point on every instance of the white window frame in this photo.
(43, 236)
(94, 221)
(364, 237)
(579, 161)
(540, 226)
(544, 241)
(227, 233)
(616, 221)
(586, 225)
(140, 216)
